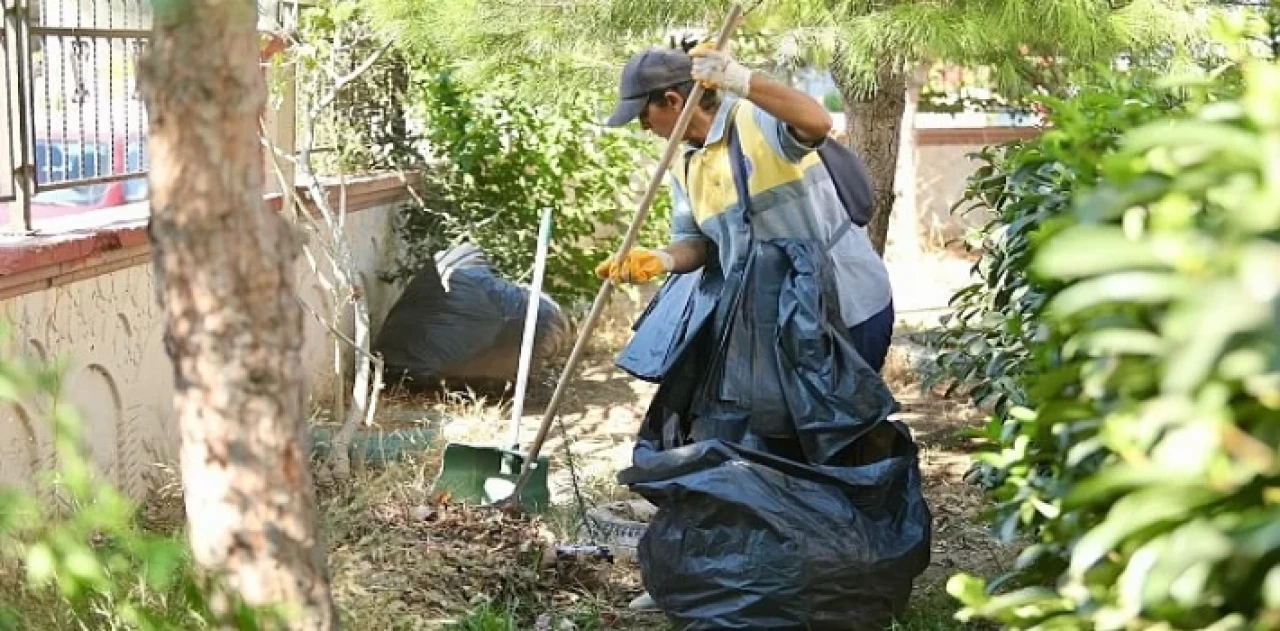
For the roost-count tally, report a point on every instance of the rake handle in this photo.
(606, 289)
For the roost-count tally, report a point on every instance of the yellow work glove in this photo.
(716, 70)
(640, 266)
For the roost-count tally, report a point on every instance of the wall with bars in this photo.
(86, 119)
(98, 313)
(8, 157)
(68, 71)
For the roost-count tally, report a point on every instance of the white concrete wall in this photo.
(942, 172)
(373, 246)
(109, 331)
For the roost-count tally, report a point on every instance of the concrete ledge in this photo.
(361, 192)
(973, 135)
(106, 241)
(47, 272)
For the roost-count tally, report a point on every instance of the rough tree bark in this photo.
(907, 217)
(874, 123)
(224, 266)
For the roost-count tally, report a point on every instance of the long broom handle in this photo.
(602, 297)
(530, 327)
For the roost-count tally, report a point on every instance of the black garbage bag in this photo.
(460, 323)
(748, 540)
(786, 498)
(680, 309)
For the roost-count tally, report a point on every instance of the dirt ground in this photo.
(402, 559)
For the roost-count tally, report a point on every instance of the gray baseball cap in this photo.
(647, 72)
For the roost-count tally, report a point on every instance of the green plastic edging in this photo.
(380, 446)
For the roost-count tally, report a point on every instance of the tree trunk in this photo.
(906, 223)
(874, 122)
(224, 267)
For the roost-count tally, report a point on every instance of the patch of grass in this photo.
(25, 607)
(400, 560)
(486, 617)
(936, 611)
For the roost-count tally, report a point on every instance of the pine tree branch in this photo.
(580, 43)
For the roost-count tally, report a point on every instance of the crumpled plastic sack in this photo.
(680, 308)
(786, 498)
(461, 323)
(747, 540)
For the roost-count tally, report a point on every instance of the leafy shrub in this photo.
(1145, 462)
(1027, 186)
(366, 128)
(501, 160)
(833, 102)
(86, 563)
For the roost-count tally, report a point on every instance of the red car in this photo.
(62, 160)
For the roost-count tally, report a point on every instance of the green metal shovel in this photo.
(486, 474)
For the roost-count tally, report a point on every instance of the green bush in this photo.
(365, 128)
(1027, 186)
(1142, 455)
(502, 160)
(84, 562)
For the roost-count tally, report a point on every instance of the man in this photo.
(791, 191)
(792, 196)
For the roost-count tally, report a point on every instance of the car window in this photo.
(63, 161)
(135, 160)
(70, 160)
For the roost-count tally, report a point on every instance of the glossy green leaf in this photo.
(1217, 313)
(1032, 603)
(969, 590)
(1091, 250)
(1264, 92)
(1258, 263)
(1146, 509)
(1135, 287)
(1114, 342)
(1176, 566)
(81, 563)
(1271, 588)
(1109, 202)
(1215, 137)
(163, 561)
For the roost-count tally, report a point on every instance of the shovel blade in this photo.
(484, 475)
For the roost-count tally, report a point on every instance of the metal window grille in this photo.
(69, 102)
(88, 119)
(8, 108)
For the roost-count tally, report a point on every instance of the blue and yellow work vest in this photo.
(791, 197)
